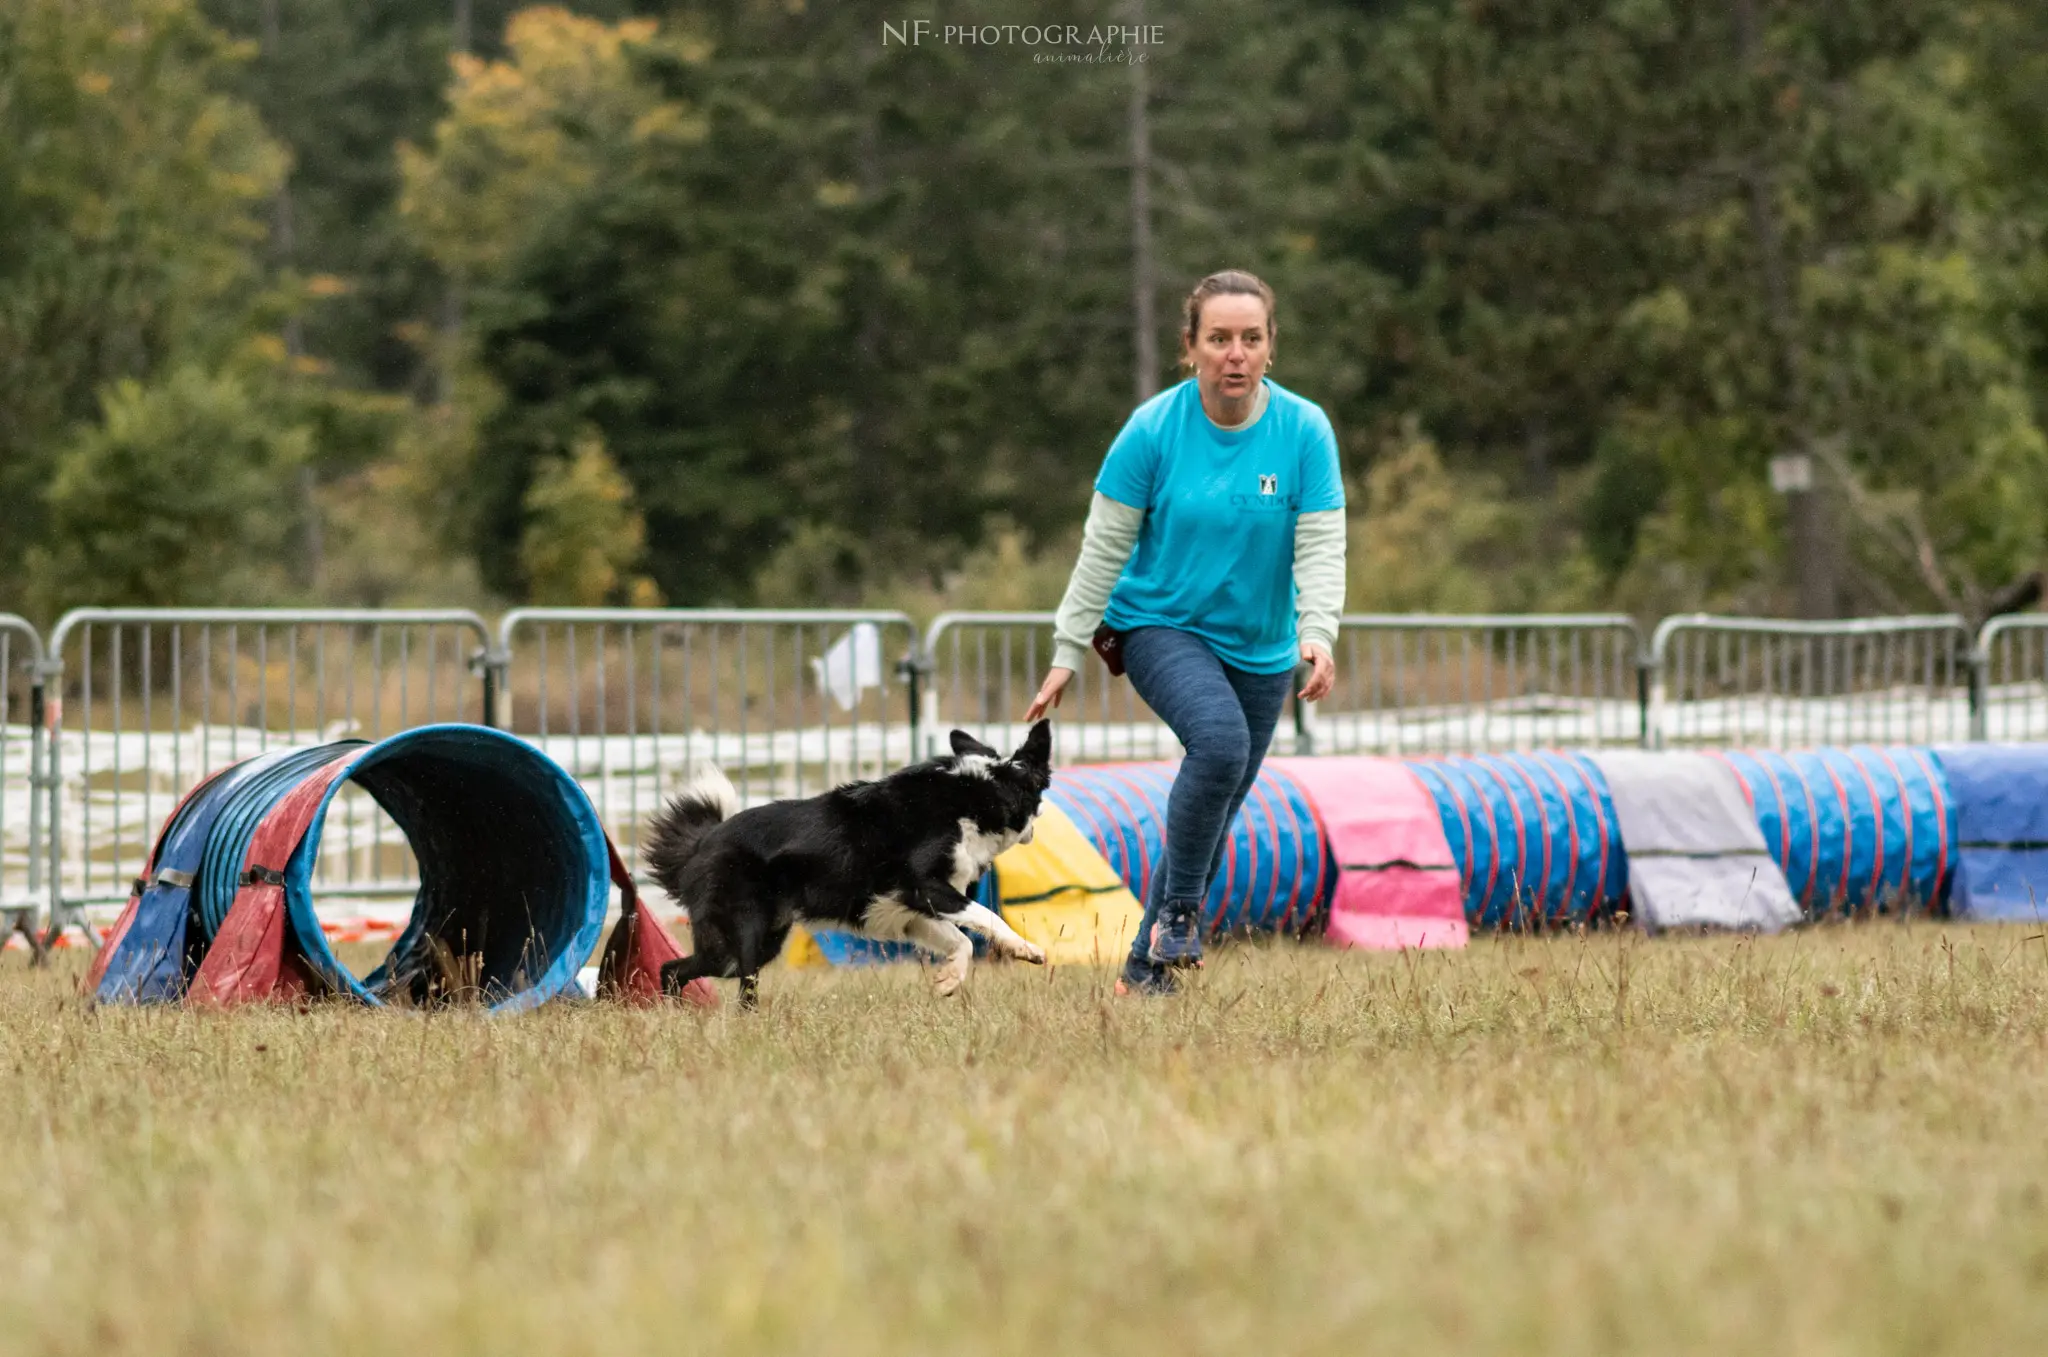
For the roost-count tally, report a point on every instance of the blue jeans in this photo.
(1225, 718)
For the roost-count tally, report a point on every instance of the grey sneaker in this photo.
(1145, 978)
(1177, 934)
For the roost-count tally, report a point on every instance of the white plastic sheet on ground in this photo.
(1696, 857)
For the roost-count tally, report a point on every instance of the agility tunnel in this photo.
(1275, 875)
(1379, 852)
(1999, 796)
(1534, 836)
(1857, 830)
(515, 877)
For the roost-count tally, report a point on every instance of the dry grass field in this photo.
(1829, 1143)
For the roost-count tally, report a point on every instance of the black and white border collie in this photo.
(890, 859)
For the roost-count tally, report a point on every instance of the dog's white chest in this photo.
(975, 851)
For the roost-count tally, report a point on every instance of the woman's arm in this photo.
(1107, 540)
(1319, 591)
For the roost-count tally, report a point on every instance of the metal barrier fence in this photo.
(983, 669)
(1440, 684)
(633, 701)
(103, 730)
(1405, 684)
(22, 845)
(1737, 681)
(2010, 698)
(151, 699)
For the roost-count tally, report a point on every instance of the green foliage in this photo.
(582, 535)
(1434, 540)
(800, 281)
(1678, 241)
(344, 84)
(130, 207)
(174, 498)
(850, 320)
(386, 543)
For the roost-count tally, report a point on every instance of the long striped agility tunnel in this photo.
(1418, 852)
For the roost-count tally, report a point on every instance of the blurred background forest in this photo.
(388, 301)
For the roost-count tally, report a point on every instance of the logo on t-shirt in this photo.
(1269, 485)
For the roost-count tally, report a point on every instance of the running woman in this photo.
(1213, 556)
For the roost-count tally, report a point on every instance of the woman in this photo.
(1214, 554)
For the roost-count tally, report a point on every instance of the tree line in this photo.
(1629, 304)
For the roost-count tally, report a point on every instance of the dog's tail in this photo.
(692, 813)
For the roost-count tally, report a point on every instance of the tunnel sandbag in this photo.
(629, 972)
(2000, 794)
(514, 873)
(1535, 836)
(1696, 855)
(1397, 883)
(1275, 877)
(1854, 829)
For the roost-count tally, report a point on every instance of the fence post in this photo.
(60, 915)
(1650, 686)
(1649, 671)
(38, 754)
(493, 663)
(912, 669)
(1979, 669)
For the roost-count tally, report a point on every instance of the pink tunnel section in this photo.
(1397, 883)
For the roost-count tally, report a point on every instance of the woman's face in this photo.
(1232, 345)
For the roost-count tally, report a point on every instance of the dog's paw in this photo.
(951, 977)
(1028, 951)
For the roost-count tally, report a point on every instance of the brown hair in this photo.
(1228, 283)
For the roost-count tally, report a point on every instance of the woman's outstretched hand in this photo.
(1322, 673)
(1056, 680)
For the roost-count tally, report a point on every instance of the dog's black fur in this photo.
(890, 858)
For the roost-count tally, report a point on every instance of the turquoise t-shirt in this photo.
(1216, 554)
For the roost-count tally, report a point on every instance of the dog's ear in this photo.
(965, 744)
(1036, 751)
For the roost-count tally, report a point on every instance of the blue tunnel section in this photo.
(1856, 829)
(190, 883)
(513, 868)
(1276, 872)
(2000, 794)
(1534, 836)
